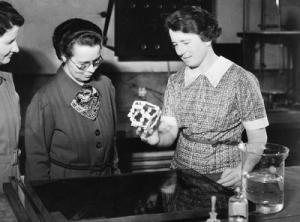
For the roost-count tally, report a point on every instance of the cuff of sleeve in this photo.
(256, 124)
(169, 119)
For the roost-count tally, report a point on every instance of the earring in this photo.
(64, 58)
(208, 43)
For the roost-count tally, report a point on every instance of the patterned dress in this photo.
(211, 113)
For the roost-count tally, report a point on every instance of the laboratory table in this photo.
(181, 195)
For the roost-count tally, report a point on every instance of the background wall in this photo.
(43, 15)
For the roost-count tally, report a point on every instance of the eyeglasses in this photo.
(84, 66)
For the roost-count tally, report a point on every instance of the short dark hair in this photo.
(9, 17)
(194, 19)
(73, 31)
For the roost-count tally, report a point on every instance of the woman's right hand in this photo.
(151, 137)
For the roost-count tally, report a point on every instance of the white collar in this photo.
(217, 70)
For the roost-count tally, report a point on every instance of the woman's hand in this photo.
(231, 177)
(163, 134)
(151, 137)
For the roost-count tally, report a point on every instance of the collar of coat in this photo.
(68, 86)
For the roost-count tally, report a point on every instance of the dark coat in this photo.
(60, 142)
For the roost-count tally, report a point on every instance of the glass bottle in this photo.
(238, 207)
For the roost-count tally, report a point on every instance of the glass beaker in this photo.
(263, 176)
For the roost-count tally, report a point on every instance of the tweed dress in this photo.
(211, 113)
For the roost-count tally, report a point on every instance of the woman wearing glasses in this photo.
(70, 124)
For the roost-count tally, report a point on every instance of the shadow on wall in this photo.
(27, 75)
(24, 62)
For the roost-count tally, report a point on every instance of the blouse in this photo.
(211, 114)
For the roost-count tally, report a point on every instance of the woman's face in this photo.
(85, 60)
(189, 47)
(8, 45)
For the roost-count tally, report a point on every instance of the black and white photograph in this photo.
(149, 110)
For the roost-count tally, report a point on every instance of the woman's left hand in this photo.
(231, 177)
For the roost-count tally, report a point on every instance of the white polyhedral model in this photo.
(144, 114)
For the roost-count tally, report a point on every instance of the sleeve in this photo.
(115, 167)
(250, 103)
(38, 134)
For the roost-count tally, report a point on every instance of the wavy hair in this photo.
(9, 17)
(194, 19)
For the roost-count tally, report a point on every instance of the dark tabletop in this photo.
(149, 197)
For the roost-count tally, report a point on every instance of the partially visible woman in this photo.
(10, 119)
(70, 125)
